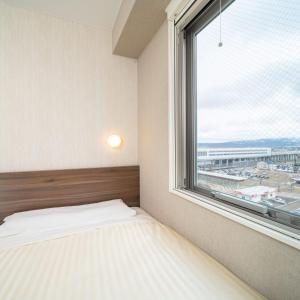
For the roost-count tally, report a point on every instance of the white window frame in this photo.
(185, 9)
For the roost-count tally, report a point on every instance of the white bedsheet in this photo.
(135, 259)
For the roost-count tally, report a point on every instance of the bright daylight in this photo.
(248, 94)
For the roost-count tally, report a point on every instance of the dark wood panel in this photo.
(21, 191)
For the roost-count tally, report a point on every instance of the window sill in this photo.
(272, 229)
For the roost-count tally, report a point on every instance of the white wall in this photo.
(62, 93)
(267, 265)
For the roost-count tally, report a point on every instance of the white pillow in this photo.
(65, 209)
(60, 217)
(6, 232)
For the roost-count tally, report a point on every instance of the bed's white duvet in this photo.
(134, 259)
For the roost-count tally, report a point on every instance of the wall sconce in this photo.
(114, 141)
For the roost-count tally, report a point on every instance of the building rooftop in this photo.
(222, 176)
(256, 190)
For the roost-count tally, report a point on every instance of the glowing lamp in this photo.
(114, 141)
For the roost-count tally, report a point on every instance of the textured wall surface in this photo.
(267, 265)
(62, 92)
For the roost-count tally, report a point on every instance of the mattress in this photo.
(134, 259)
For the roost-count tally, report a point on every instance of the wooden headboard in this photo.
(21, 191)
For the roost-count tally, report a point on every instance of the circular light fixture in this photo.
(114, 141)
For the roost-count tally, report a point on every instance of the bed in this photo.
(131, 256)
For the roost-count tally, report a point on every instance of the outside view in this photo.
(248, 114)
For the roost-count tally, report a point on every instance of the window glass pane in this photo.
(248, 104)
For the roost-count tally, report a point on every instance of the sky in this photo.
(250, 88)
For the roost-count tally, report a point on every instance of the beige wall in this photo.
(269, 266)
(62, 93)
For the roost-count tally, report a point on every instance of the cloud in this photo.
(278, 116)
(250, 88)
(253, 89)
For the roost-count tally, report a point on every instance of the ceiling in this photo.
(137, 22)
(96, 13)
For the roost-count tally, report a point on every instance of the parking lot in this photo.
(282, 179)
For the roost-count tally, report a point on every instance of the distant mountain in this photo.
(268, 143)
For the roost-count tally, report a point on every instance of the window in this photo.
(238, 106)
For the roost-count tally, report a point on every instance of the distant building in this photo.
(212, 178)
(227, 157)
(256, 193)
(215, 158)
